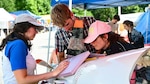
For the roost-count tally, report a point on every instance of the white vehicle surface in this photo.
(112, 69)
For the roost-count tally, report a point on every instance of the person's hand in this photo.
(62, 66)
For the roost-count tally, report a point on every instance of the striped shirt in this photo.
(62, 37)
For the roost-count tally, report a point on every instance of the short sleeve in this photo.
(17, 51)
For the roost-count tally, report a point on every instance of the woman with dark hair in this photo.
(104, 40)
(135, 37)
(18, 65)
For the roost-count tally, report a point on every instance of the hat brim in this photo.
(39, 26)
(90, 39)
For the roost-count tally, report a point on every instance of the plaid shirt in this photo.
(62, 37)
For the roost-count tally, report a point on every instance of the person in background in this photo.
(63, 18)
(113, 23)
(104, 40)
(18, 65)
(135, 37)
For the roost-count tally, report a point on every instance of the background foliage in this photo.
(106, 14)
(39, 7)
(42, 7)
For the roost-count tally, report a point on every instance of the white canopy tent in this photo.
(5, 19)
(5, 16)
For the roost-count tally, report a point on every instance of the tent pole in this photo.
(85, 12)
(70, 5)
(119, 10)
(8, 24)
(49, 38)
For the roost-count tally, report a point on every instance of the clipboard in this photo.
(75, 63)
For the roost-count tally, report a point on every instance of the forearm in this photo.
(34, 79)
(23, 78)
(61, 56)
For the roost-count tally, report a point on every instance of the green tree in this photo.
(104, 13)
(107, 13)
(133, 9)
(38, 7)
(80, 12)
(20, 4)
(43, 6)
(31, 5)
(8, 5)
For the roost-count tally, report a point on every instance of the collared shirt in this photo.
(62, 37)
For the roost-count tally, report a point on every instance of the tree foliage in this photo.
(9, 5)
(39, 7)
(104, 13)
(81, 12)
(43, 6)
(107, 13)
(133, 9)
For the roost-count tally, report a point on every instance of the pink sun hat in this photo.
(97, 28)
